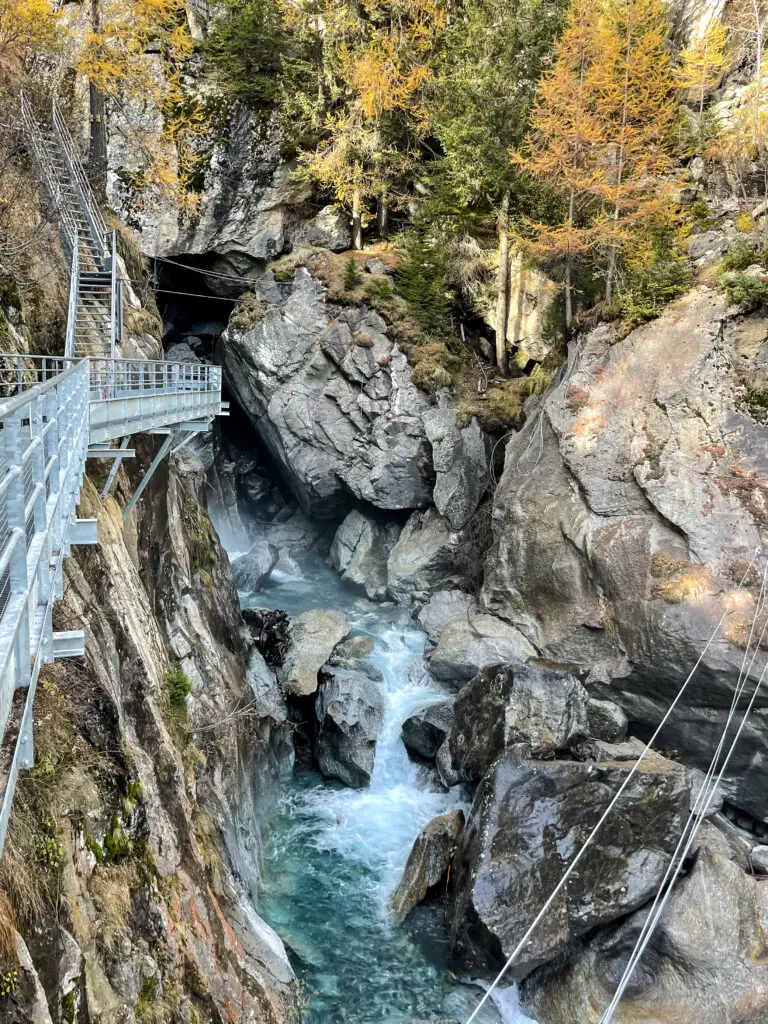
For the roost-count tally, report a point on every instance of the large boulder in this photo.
(443, 607)
(254, 568)
(461, 465)
(329, 229)
(527, 821)
(506, 705)
(360, 550)
(630, 506)
(313, 636)
(425, 731)
(424, 558)
(705, 963)
(467, 646)
(330, 396)
(428, 861)
(350, 711)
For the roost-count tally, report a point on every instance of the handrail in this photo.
(50, 178)
(113, 299)
(89, 205)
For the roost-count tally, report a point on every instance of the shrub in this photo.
(177, 687)
(421, 280)
(352, 275)
(742, 289)
(744, 223)
(650, 289)
(739, 256)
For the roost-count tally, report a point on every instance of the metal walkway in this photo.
(55, 414)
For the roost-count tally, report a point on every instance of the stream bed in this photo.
(333, 856)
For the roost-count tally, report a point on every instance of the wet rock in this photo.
(466, 647)
(341, 421)
(703, 963)
(350, 711)
(353, 648)
(425, 731)
(715, 802)
(427, 862)
(544, 708)
(329, 229)
(527, 820)
(253, 570)
(423, 559)
(443, 607)
(606, 721)
(313, 636)
(360, 550)
(460, 460)
(444, 765)
(611, 546)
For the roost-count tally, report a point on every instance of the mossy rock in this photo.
(430, 376)
(249, 312)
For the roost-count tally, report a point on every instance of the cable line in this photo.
(207, 273)
(696, 816)
(572, 866)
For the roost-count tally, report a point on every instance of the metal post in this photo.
(161, 453)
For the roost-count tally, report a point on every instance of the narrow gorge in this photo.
(424, 685)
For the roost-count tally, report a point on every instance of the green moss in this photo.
(249, 312)
(380, 290)
(199, 536)
(95, 848)
(116, 843)
(68, 1007)
(430, 376)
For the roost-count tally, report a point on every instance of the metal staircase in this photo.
(55, 414)
(96, 283)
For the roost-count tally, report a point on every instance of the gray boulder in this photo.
(703, 963)
(466, 647)
(424, 558)
(331, 398)
(350, 711)
(374, 265)
(527, 821)
(460, 460)
(545, 709)
(328, 229)
(428, 861)
(360, 550)
(443, 607)
(313, 636)
(253, 569)
(606, 721)
(425, 731)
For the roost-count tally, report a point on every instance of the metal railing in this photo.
(89, 206)
(43, 448)
(61, 203)
(110, 378)
(74, 287)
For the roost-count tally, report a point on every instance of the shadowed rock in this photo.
(705, 963)
(427, 729)
(350, 712)
(360, 550)
(428, 861)
(527, 821)
(253, 570)
(543, 708)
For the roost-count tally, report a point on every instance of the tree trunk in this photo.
(97, 151)
(357, 221)
(502, 283)
(568, 290)
(382, 215)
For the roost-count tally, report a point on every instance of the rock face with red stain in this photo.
(629, 509)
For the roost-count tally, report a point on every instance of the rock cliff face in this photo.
(149, 752)
(331, 397)
(629, 509)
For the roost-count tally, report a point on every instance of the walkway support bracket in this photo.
(161, 453)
